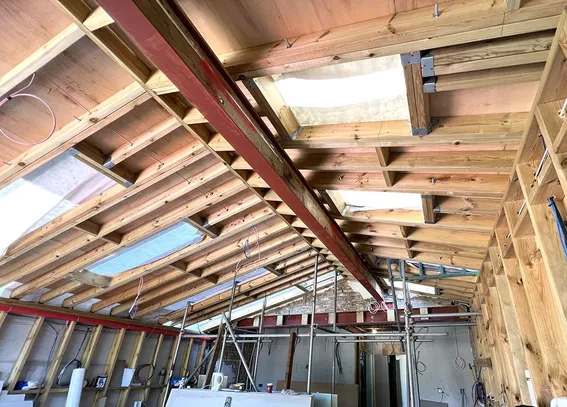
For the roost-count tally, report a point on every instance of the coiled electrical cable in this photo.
(29, 95)
(144, 373)
(375, 307)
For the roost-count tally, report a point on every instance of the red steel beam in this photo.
(347, 318)
(23, 308)
(162, 32)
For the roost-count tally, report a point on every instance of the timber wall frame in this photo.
(119, 327)
(522, 291)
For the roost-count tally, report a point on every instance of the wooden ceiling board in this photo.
(26, 26)
(158, 150)
(509, 98)
(232, 25)
(63, 260)
(129, 126)
(16, 116)
(86, 74)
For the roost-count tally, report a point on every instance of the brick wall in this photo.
(232, 366)
(348, 300)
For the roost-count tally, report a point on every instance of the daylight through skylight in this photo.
(46, 193)
(153, 248)
(361, 91)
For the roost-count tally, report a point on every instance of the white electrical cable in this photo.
(460, 363)
(18, 94)
(134, 308)
(375, 307)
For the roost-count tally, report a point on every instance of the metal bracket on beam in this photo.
(294, 135)
(429, 85)
(424, 131)
(411, 58)
(427, 66)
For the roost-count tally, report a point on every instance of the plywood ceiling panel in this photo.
(231, 25)
(512, 98)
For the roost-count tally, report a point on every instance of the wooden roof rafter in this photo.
(464, 193)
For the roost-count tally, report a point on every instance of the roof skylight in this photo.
(150, 249)
(219, 288)
(46, 193)
(254, 307)
(414, 287)
(360, 91)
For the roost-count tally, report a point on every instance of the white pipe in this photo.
(75, 388)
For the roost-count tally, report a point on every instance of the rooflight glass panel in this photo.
(148, 250)
(253, 308)
(219, 288)
(419, 288)
(46, 193)
(360, 91)
(248, 309)
(373, 200)
(321, 280)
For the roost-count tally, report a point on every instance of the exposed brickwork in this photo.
(348, 300)
(232, 365)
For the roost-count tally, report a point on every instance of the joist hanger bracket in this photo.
(424, 131)
(427, 66)
(422, 58)
(411, 58)
(429, 85)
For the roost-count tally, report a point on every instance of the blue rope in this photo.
(560, 224)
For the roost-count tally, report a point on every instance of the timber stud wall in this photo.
(134, 358)
(522, 291)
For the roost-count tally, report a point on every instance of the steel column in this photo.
(408, 334)
(312, 329)
(260, 331)
(232, 295)
(417, 392)
(396, 310)
(333, 372)
(170, 374)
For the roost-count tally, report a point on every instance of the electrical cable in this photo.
(375, 307)
(339, 360)
(479, 394)
(49, 358)
(151, 370)
(419, 363)
(561, 230)
(134, 308)
(460, 363)
(64, 377)
(19, 94)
